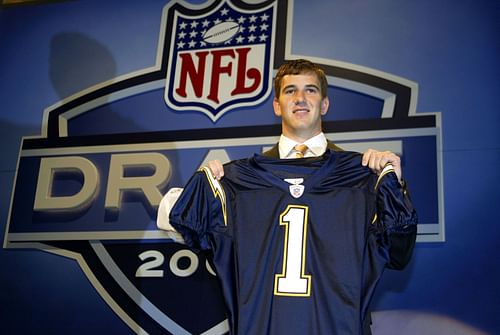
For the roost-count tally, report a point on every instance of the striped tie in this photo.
(300, 150)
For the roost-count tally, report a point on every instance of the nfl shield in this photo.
(220, 58)
(296, 190)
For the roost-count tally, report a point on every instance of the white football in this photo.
(221, 32)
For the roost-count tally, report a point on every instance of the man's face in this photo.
(300, 106)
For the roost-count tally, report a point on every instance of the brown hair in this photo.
(300, 66)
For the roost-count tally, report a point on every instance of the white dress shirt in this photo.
(316, 146)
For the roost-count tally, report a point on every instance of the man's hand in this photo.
(377, 160)
(217, 169)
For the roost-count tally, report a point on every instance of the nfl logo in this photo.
(296, 190)
(220, 58)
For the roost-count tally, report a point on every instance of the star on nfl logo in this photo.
(220, 58)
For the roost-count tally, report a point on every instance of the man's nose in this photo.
(299, 97)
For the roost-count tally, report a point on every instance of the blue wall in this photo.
(449, 48)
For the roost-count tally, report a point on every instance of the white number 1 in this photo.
(292, 281)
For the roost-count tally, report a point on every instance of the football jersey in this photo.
(298, 244)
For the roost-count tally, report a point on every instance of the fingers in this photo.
(372, 158)
(217, 169)
(377, 160)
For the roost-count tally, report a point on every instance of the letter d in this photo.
(49, 166)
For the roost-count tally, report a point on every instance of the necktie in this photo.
(300, 150)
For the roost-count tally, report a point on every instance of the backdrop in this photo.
(103, 94)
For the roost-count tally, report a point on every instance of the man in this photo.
(299, 244)
(300, 100)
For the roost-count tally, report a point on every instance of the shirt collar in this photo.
(316, 144)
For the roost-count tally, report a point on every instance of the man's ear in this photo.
(325, 103)
(276, 107)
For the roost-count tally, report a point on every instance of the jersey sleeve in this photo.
(396, 219)
(199, 210)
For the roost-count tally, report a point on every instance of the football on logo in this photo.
(221, 32)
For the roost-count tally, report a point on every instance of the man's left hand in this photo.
(377, 160)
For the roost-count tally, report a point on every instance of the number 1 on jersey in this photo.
(293, 281)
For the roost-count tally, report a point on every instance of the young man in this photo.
(301, 100)
(299, 244)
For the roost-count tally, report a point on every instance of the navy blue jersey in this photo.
(298, 244)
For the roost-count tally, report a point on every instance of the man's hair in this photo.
(300, 66)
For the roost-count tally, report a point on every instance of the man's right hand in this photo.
(217, 169)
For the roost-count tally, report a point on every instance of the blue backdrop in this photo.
(51, 51)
